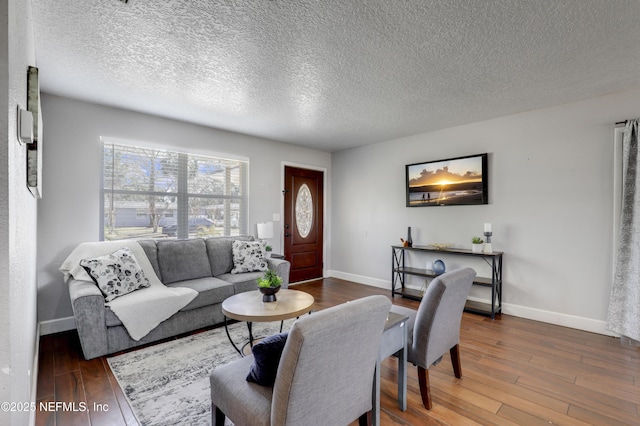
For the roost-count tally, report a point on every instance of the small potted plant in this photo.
(267, 250)
(269, 284)
(477, 244)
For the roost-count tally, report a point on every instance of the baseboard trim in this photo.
(57, 325)
(361, 279)
(556, 318)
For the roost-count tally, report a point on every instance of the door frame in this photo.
(325, 177)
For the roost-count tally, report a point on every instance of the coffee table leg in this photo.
(226, 328)
(250, 327)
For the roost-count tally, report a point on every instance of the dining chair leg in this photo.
(218, 417)
(423, 380)
(455, 360)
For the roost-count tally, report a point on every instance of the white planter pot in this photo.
(477, 248)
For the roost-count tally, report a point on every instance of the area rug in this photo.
(168, 383)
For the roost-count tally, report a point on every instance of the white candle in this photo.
(487, 227)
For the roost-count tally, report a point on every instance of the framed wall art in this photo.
(448, 182)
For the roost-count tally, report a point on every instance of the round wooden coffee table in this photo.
(249, 307)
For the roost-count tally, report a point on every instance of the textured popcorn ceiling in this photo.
(334, 74)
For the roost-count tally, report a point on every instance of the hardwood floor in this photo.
(515, 372)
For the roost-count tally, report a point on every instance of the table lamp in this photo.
(265, 231)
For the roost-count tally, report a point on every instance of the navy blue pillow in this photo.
(266, 357)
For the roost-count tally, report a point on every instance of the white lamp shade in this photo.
(265, 230)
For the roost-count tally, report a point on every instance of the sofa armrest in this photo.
(89, 312)
(281, 267)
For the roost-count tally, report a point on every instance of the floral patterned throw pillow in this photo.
(248, 256)
(116, 274)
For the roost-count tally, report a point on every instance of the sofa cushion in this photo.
(210, 290)
(220, 255)
(220, 252)
(116, 274)
(181, 260)
(151, 250)
(242, 282)
(249, 256)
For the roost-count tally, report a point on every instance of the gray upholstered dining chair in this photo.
(434, 328)
(324, 377)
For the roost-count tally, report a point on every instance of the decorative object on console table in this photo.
(439, 267)
(409, 239)
(429, 266)
(487, 234)
(476, 244)
(441, 246)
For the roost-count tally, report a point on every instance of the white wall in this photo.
(69, 212)
(551, 180)
(18, 326)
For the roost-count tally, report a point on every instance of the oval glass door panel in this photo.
(304, 211)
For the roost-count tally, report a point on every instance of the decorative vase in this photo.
(409, 239)
(438, 267)
(269, 293)
(477, 248)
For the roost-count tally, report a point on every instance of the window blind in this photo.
(155, 193)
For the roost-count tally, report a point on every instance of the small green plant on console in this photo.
(476, 240)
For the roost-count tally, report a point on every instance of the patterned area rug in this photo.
(168, 383)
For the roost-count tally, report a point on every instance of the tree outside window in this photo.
(155, 193)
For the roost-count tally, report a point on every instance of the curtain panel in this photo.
(624, 304)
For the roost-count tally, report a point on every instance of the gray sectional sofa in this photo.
(201, 264)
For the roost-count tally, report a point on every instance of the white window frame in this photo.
(182, 194)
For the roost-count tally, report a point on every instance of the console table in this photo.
(400, 270)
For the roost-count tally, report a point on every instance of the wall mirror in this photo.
(34, 150)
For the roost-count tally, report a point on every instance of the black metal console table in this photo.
(400, 270)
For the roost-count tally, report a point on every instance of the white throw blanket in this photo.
(142, 310)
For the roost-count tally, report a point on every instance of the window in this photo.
(155, 193)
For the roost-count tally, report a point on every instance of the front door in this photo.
(303, 222)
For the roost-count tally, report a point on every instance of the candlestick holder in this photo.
(487, 242)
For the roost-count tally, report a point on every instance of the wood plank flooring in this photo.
(515, 372)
